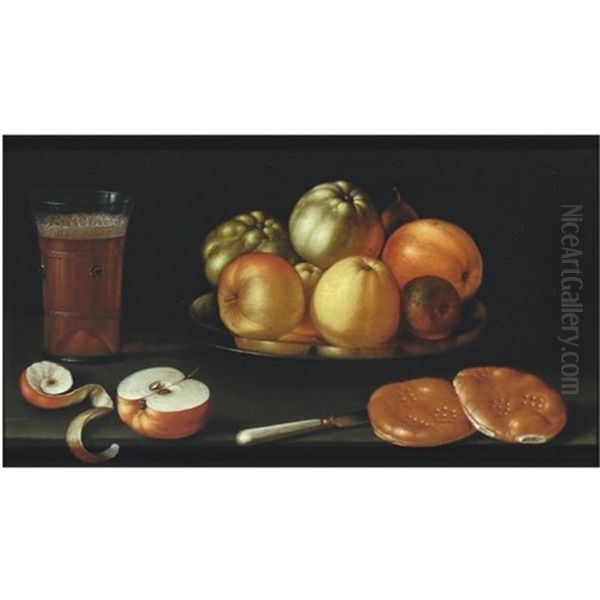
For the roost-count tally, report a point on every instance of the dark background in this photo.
(507, 192)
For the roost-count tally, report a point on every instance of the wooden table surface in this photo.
(250, 391)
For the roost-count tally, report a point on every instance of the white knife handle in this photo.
(270, 433)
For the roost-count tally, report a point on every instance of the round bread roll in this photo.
(510, 405)
(421, 413)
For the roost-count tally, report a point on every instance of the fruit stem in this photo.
(158, 387)
(194, 372)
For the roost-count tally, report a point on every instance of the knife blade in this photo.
(271, 433)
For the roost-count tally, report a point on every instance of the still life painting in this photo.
(300, 301)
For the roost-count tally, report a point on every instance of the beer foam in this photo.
(78, 226)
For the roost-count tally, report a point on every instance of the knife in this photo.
(270, 433)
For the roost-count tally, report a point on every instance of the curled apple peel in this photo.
(102, 404)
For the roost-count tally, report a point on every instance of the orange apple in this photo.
(438, 248)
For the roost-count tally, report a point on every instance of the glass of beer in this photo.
(82, 238)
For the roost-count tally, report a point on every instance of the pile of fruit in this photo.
(342, 274)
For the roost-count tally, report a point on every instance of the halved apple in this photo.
(162, 403)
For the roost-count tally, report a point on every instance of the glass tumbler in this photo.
(82, 237)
